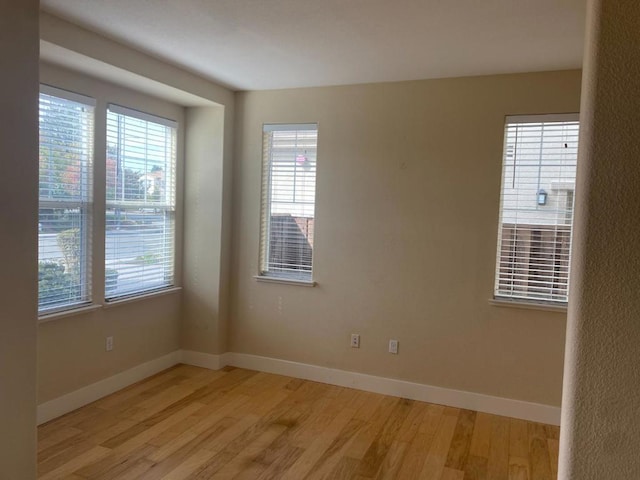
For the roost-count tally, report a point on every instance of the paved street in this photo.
(129, 251)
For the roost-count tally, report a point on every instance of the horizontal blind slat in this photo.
(536, 207)
(140, 207)
(288, 200)
(65, 199)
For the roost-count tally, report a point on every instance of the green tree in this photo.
(60, 148)
(55, 285)
(130, 189)
(70, 243)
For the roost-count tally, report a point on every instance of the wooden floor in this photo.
(192, 423)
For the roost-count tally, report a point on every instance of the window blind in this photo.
(140, 202)
(536, 208)
(288, 200)
(65, 199)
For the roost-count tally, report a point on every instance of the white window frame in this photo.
(267, 270)
(84, 205)
(562, 233)
(167, 208)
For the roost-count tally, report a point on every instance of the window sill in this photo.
(285, 281)
(142, 296)
(496, 302)
(47, 317)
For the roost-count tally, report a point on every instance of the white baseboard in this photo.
(204, 360)
(388, 386)
(399, 388)
(85, 395)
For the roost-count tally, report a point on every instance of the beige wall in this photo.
(406, 221)
(18, 236)
(71, 350)
(206, 254)
(601, 402)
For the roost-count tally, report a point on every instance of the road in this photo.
(129, 251)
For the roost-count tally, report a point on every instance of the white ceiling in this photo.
(264, 44)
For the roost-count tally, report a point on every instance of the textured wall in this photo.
(408, 189)
(601, 414)
(18, 236)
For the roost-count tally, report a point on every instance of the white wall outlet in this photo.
(393, 346)
(355, 340)
(109, 344)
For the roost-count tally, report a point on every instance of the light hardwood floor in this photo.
(193, 423)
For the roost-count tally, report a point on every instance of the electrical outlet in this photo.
(355, 340)
(393, 346)
(109, 344)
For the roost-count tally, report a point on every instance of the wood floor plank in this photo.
(287, 455)
(170, 445)
(74, 464)
(114, 465)
(518, 468)
(461, 441)
(190, 465)
(157, 403)
(69, 419)
(263, 417)
(346, 468)
(518, 438)
(156, 428)
(167, 463)
(539, 452)
(335, 451)
(370, 403)
(437, 457)
(481, 438)
(278, 415)
(366, 436)
(304, 464)
(235, 466)
(135, 448)
(392, 462)
(552, 432)
(132, 393)
(379, 448)
(55, 456)
(297, 420)
(554, 447)
(57, 436)
(189, 423)
(416, 455)
(412, 422)
(476, 468)
(53, 461)
(452, 474)
(323, 409)
(498, 461)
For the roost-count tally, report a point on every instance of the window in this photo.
(288, 201)
(536, 208)
(141, 201)
(65, 199)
